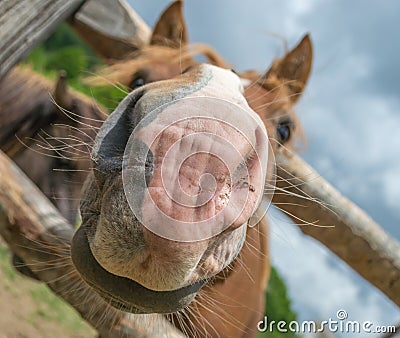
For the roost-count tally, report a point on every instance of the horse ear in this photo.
(294, 68)
(170, 29)
(62, 96)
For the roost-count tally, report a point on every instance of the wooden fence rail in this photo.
(112, 28)
(24, 24)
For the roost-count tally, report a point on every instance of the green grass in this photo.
(44, 305)
(278, 306)
(64, 50)
(51, 308)
(5, 264)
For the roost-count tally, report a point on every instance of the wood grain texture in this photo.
(111, 28)
(26, 23)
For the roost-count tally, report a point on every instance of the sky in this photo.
(350, 112)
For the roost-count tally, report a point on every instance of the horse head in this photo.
(178, 170)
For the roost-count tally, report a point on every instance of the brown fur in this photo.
(50, 141)
(173, 61)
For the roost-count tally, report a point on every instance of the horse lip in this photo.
(124, 293)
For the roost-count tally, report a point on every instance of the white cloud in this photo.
(391, 186)
(302, 7)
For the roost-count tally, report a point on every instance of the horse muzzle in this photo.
(179, 168)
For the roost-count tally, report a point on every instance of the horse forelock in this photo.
(183, 57)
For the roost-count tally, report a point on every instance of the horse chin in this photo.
(124, 293)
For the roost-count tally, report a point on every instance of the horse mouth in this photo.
(124, 293)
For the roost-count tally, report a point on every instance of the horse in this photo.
(46, 129)
(233, 302)
(238, 290)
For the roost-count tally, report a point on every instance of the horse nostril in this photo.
(149, 167)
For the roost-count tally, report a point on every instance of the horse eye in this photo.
(137, 82)
(283, 131)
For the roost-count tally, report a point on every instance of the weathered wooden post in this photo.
(26, 23)
(111, 28)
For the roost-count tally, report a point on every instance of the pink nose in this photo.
(207, 173)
